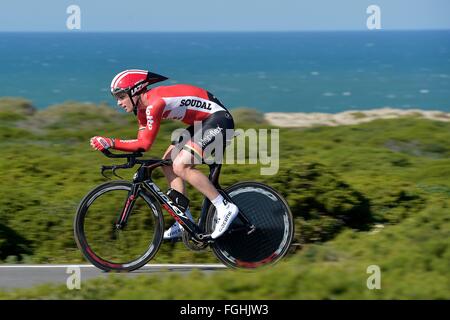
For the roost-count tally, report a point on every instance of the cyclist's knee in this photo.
(181, 164)
(179, 168)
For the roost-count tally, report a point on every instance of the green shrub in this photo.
(248, 115)
(18, 106)
(375, 193)
(12, 245)
(321, 202)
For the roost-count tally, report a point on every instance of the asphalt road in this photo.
(23, 276)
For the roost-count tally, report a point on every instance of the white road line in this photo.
(217, 266)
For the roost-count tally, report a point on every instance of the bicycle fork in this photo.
(121, 221)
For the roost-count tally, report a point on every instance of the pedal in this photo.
(207, 239)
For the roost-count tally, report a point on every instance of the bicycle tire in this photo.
(272, 217)
(90, 254)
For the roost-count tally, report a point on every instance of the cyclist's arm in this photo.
(146, 134)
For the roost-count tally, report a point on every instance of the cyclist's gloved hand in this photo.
(102, 143)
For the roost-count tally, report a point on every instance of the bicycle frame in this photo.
(143, 180)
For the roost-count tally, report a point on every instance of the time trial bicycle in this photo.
(119, 225)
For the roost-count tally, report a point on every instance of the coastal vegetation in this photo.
(375, 193)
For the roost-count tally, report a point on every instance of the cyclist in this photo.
(193, 106)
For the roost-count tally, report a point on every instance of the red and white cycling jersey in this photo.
(179, 102)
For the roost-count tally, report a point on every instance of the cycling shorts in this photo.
(207, 138)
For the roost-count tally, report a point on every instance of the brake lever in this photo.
(113, 169)
(114, 172)
(104, 168)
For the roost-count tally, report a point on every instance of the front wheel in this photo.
(110, 248)
(269, 212)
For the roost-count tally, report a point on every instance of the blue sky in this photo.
(227, 15)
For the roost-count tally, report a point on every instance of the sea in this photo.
(326, 72)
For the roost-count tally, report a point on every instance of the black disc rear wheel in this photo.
(269, 212)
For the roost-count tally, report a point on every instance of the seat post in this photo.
(214, 169)
(214, 173)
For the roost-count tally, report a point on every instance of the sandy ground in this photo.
(299, 119)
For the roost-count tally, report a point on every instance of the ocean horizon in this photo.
(289, 71)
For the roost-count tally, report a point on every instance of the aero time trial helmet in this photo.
(133, 82)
